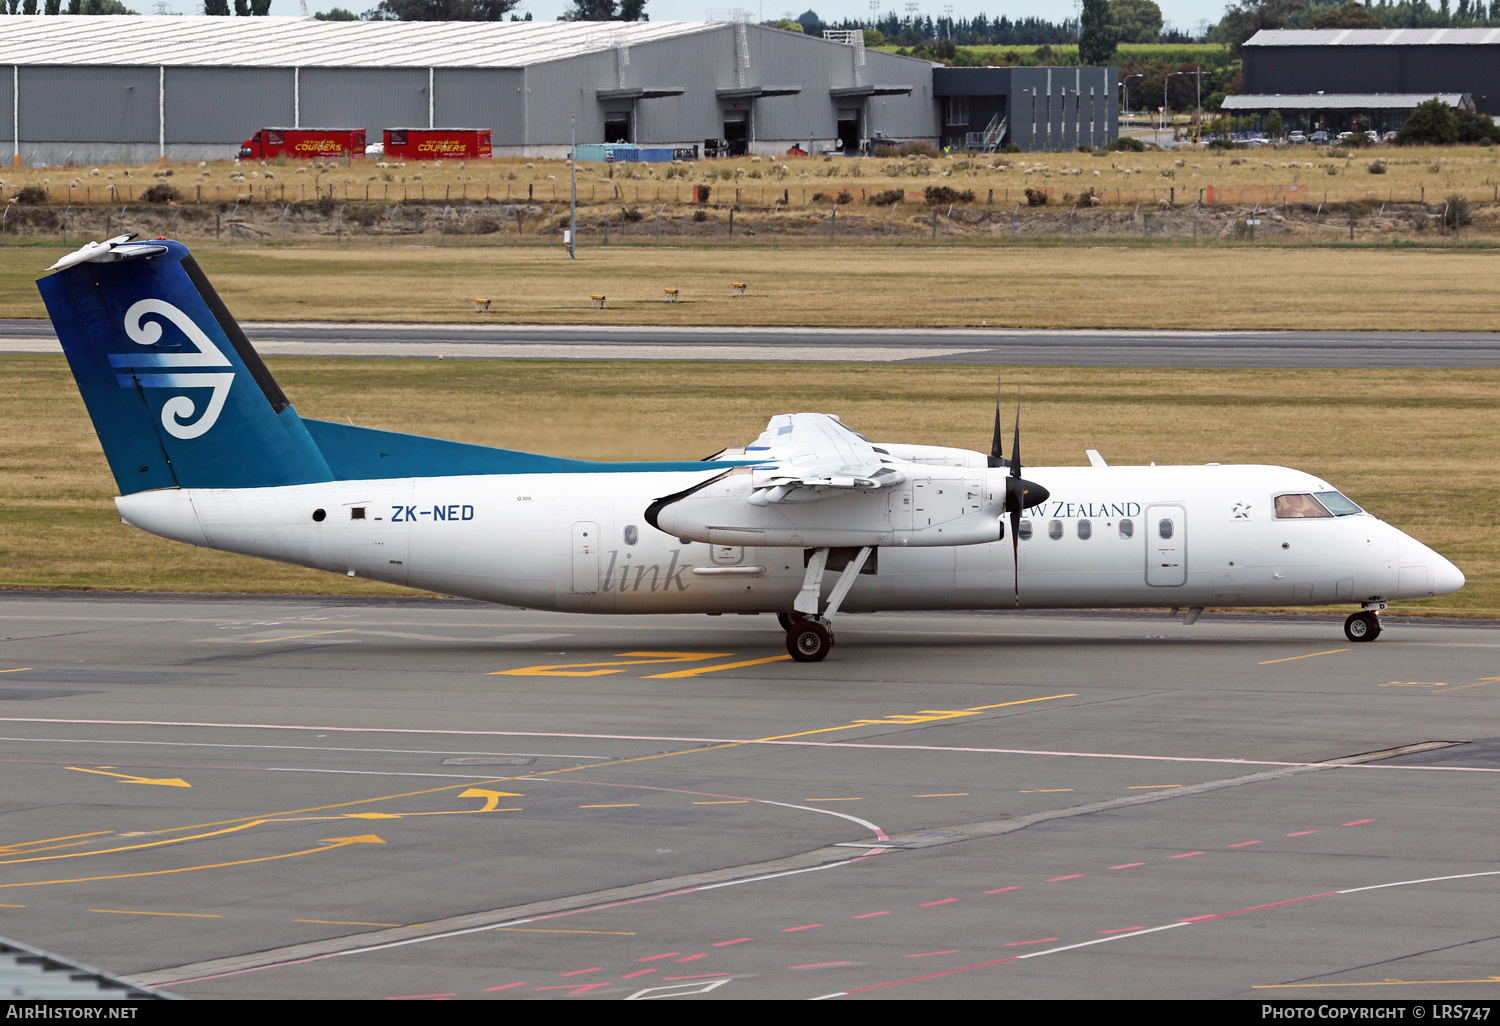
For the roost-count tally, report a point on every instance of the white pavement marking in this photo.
(743, 741)
(563, 351)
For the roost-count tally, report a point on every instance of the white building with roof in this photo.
(91, 90)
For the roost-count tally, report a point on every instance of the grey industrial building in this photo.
(1339, 79)
(91, 90)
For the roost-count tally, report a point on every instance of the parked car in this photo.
(1320, 138)
(1343, 135)
(1373, 136)
(1297, 138)
(1390, 137)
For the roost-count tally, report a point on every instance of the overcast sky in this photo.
(1185, 14)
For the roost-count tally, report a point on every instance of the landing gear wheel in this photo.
(1362, 627)
(790, 620)
(809, 641)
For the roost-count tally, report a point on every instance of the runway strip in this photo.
(990, 346)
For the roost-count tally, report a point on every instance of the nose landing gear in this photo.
(1363, 626)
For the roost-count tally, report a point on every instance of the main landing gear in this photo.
(809, 636)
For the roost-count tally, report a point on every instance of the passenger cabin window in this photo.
(1299, 507)
(1085, 530)
(1025, 531)
(632, 534)
(1164, 528)
(1054, 530)
(1127, 528)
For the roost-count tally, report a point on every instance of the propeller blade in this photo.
(1015, 550)
(997, 456)
(1015, 445)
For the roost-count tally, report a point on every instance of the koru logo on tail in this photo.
(177, 413)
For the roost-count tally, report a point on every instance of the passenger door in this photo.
(586, 544)
(1166, 546)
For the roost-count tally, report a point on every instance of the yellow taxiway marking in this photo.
(1480, 682)
(329, 844)
(12, 906)
(955, 794)
(1373, 983)
(75, 838)
(233, 825)
(1309, 655)
(1150, 787)
(491, 798)
(129, 779)
(715, 669)
(137, 912)
(342, 922)
(294, 637)
(130, 847)
(599, 669)
(604, 933)
(18, 669)
(371, 815)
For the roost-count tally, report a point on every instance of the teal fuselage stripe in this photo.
(363, 454)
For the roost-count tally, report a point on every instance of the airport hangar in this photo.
(139, 88)
(1330, 78)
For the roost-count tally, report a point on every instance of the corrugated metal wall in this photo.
(369, 98)
(492, 98)
(224, 105)
(88, 104)
(1377, 69)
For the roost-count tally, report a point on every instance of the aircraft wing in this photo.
(805, 457)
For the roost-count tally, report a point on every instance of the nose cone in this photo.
(1446, 578)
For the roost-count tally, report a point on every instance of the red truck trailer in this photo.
(437, 143)
(304, 143)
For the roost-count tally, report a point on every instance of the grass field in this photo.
(1414, 447)
(1325, 175)
(1109, 287)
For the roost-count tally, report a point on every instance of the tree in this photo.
(1139, 20)
(441, 10)
(811, 23)
(1432, 122)
(1247, 17)
(1274, 127)
(336, 14)
(216, 7)
(1475, 127)
(1351, 15)
(602, 10)
(1098, 37)
(787, 25)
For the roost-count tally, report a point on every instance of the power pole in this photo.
(573, 182)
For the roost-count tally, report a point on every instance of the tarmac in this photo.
(985, 346)
(305, 797)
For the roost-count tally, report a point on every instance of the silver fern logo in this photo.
(179, 412)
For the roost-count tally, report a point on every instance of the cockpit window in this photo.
(1299, 507)
(1337, 503)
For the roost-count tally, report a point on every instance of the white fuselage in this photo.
(580, 543)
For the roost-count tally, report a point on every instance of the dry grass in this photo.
(1415, 447)
(999, 179)
(1115, 287)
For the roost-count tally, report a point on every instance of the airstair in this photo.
(989, 140)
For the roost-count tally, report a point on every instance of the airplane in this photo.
(810, 519)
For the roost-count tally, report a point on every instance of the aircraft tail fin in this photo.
(176, 392)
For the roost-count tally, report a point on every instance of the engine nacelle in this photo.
(934, 506)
